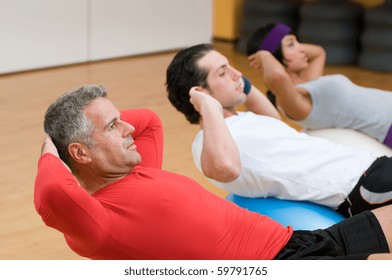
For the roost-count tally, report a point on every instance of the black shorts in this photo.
(373, 190)
(352, 239)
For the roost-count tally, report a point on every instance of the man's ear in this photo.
(78, 152)
(202, 89)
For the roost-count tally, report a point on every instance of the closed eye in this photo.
(222, 73)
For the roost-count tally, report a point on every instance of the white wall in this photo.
(134, 27)
(41, 33)
(44, 33)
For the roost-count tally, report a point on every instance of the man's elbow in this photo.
(224, 172)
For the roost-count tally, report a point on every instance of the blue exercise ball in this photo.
(301, 215)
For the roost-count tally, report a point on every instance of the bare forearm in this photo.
(312, 51)
(316, 59)
(258, 103)
(220, 159)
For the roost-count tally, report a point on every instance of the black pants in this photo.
(354, 238)
(374, 189)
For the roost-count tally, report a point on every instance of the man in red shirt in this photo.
(100, 183)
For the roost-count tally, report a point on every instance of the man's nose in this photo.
(127, 128)
(235, 74)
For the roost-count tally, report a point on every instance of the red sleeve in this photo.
(148, 135)
(64, 205)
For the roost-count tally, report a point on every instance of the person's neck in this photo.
(296, 78)
(228, 112)
(92, 183)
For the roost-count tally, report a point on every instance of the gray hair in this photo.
(65, 120)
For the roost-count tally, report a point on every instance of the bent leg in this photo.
(384, 217)
(360, 237)
(373, 190)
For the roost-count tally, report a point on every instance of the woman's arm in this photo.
(316, 59)
(295, 104)
(220, 158)
(258, 103)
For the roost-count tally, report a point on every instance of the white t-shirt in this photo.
(281, 162)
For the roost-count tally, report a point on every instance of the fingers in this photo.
(195, 89)
(254, 61)
(196, 92)
(47, 137)
(200, 98)
(196, 96)
(48, 146)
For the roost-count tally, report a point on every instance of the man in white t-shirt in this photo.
(255, 154)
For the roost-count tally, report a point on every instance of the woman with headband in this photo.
(293, 73)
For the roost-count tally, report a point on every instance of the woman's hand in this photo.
(256, 59)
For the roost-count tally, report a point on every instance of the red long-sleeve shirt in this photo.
(151, 213)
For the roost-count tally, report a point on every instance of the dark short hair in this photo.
(182, 74)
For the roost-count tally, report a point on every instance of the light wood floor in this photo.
(131, 82)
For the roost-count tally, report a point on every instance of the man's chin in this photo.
(136, 159)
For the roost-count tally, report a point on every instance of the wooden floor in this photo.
(131, 82)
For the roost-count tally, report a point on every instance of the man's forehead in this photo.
(101, 108)
(213, 61)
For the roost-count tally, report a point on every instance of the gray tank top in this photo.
(339, 103)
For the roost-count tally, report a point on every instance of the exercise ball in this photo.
(352, 139)
(301, 215)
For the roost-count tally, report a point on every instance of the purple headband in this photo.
(273, 39)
